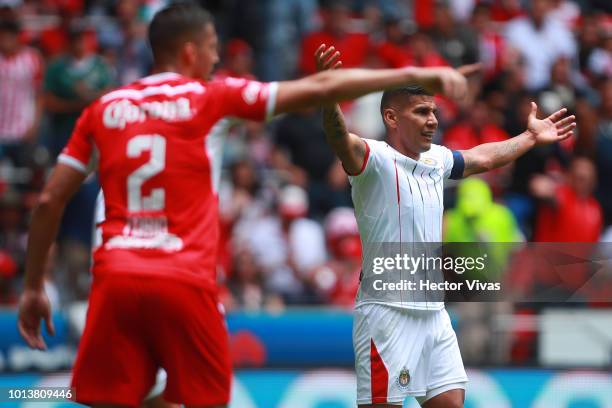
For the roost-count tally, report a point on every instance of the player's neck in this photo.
(162, 68)
(408, 153)
(397, 145)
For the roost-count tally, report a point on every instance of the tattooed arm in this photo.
(489, 156)
(350, 148)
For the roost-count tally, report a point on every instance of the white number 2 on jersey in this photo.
(156, 144)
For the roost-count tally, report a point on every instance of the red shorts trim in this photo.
(379, 376)
(135, 325)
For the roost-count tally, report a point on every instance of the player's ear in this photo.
(189, 54)
(390, 118)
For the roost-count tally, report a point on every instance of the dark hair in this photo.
(390, 95)
(174, 25)
(76, 31)
(10, 25)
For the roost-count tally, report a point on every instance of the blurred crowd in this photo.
(289, 235)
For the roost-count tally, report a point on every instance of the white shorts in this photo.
(404, 352)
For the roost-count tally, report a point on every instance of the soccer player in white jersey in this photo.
(409, 348)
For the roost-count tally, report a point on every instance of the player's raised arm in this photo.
(349, 148)
(336, 85)
(488, 156)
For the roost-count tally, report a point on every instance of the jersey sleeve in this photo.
(454, 163)
(371, 162)
(243, 98)
(78, 152)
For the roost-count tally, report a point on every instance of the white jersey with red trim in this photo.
(399, 200)
(20, 79)
(159, 145)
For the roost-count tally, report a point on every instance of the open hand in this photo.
(327, 58)
(555, 128)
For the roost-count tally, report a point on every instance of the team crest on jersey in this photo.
(429, 161)
(403, 379)
(251, 92)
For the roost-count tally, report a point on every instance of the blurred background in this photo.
(290, 255)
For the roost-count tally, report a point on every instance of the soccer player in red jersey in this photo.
(153, 300)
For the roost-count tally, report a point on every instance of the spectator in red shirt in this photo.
(238, 61)
(479, 127)
(424, 12)
(476, 129)
(603, 148)
(569, 212)
(394, 50)
(492, 46)
(424, 53)
(353, 46)
(417, 50)
(55, 40)
(337, 280)
(506, 10)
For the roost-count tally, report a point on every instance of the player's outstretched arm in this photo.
(336, 85)
(488, 156)
(349, 147)
(34, 304)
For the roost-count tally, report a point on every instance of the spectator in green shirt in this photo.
(477, 218)
(72, 81)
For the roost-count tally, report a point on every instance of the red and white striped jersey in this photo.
(20, 79)
(159, 144)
